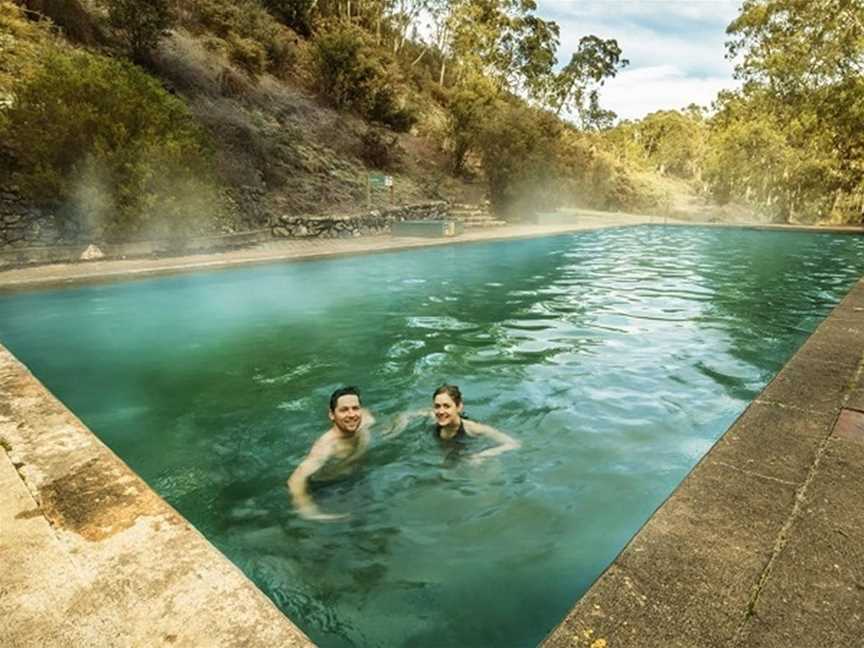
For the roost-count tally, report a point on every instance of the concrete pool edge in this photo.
(65, 274)
(92, 556)
(760, 544)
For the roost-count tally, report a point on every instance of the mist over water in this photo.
(617, 358)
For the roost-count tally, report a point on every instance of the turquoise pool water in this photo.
(616, 357)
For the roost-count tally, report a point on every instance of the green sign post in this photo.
(378, 181)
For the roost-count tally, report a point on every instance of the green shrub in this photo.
(356, 76)
(101, 134)
(346, 75)
(281, 48)
(519, 147)
(297, 14)
(22, 46)
(385, 108)
(141, 24)
(70, 16)
(379, 150)
(256, 41)
(247, 54)
(468, 108)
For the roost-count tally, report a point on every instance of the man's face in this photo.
(347, 415)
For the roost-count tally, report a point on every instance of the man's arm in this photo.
(505, 441)
(298, 482)
(402, 420)
(368, 419)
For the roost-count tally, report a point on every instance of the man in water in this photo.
(337, 449)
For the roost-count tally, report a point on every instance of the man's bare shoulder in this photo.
(324, 444)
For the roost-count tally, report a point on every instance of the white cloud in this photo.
(694, 10)
(635, 93)
(676, 48)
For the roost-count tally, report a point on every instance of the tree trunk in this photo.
(417, 60)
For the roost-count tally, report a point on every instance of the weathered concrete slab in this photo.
(855, 399)
(815, 593)
(93, 557)
(850, 426)
(812, 385)
(29, 590)
(708, 543)
(763, 543)
(840, 346)
(751, 445)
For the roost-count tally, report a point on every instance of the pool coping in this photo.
(79, 567)
(284, 250)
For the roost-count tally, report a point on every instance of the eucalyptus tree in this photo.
(502, 39)
(575, 88)
(802, 64)
(404, 16)
(141, 24)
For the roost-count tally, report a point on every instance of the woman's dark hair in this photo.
(342, 391)
(451, 390)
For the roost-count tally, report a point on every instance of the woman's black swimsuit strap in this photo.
(460, 433)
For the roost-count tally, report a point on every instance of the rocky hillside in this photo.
(276, 146)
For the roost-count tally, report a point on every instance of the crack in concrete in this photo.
(794, 408)
(740, 636)
(755, 474)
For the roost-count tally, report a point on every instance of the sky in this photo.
(676, 48)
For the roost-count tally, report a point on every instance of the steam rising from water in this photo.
(170, 203)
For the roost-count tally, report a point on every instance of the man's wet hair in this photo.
(350, 390)
(451, 390)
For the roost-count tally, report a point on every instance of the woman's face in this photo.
(446, 410)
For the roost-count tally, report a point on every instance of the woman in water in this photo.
(451, 424)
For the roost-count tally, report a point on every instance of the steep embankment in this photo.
(274, 146)
(280, 149)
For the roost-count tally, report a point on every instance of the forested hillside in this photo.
(790, 143)
(132, 119)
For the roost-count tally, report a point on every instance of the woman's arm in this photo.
(505, 441)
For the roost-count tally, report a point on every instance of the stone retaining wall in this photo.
(38, 254)
(34, 235)
(367, 224)
(31, 234)
(22, 225)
